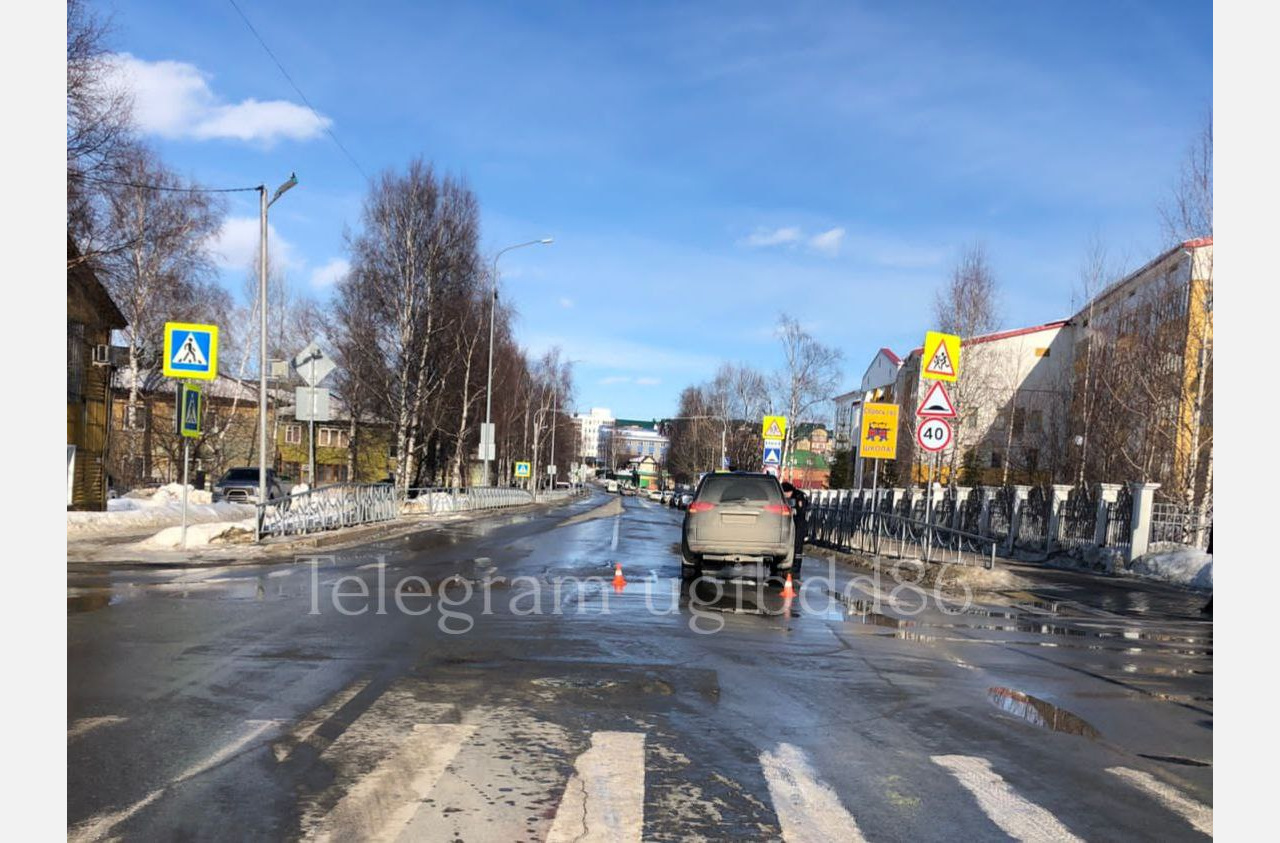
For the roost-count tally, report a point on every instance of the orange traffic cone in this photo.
(619, 582)
(787, 590)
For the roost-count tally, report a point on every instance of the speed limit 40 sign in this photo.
(933, 434)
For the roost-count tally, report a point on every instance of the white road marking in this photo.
(307, 726)
(96, 828)
(85, 725)
(383, 802)
(1016, 817)
(807, 809)
(1199, 815)
(617, 522)
(604, 800)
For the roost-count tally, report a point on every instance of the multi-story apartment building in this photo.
(590, 426)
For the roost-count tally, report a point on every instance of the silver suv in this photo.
(738, 525)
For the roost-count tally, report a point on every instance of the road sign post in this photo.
(188, 418)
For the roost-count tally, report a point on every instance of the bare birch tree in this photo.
(809, 377)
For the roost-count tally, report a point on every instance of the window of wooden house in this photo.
(76, 351)
(293, 434)
(996, 460)
(332, 437)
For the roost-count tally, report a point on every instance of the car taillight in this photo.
(701, 506)
(778, 509)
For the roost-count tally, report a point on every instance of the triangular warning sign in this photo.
(188, 353)
(774, 431)
(937, 402)
(940, 363)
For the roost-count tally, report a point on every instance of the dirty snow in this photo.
(1187, 566)
(198, 534)
(137, 512)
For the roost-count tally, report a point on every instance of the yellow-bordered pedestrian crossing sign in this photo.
(522, 469)
(190, 405)
(190, 350)
(941, 360)
(774, 427)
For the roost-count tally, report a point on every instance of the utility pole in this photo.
(262, 337)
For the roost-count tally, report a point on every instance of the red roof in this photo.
(893, 358)
(1197, 243)
(1004, 335)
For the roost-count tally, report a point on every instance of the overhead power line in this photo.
(159, 187)
(295, 87)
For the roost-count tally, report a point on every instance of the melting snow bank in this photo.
(1187, 566)
(137, 512)
(217, 532)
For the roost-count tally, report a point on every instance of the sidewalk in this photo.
(125, 549)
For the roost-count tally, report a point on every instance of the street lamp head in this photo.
(284, 188)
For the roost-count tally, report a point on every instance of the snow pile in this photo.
(152, 509)
(1104, 560)
(199, 535)
(1187, 566)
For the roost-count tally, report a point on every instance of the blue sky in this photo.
(702, 167)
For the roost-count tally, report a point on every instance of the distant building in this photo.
(807, 470)
(91, 317)
(364, 452)
(590, 426)
(1013, 395)
(630, 438)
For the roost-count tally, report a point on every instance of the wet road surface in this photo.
(492, 681)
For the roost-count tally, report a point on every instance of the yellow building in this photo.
(1143, 375)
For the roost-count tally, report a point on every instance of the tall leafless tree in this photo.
(809, 377)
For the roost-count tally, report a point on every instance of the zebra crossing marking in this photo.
(604, 800)
(1199, 815)
(807, 808)
(1016, 816)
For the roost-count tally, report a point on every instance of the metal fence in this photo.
(850, 521)
(1077, 520)
(1175, 525)
(327, 508)
(434, 500)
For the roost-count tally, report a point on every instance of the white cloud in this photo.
(648, 381)
(566, 302)
(235, 246)
(173, 99)
(828, 242)
(331, 273)
(773, 237)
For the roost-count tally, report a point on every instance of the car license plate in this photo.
(737, 519)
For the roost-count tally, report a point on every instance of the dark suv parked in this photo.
(240, 485)
(738, 525)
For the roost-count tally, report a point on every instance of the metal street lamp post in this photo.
(488, 390)
(262, 338)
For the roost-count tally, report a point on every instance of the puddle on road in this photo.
(1040, 713)
(90, 602)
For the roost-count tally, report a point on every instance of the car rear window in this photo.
(731, 489)
(239, 474)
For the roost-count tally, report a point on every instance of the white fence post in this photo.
(1015, 514)
(962, 496)
(1107, 493)
(1060, 493)
(984, 518)
(1140, 523)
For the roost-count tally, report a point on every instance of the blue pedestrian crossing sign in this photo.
(190, 351)
(189, 407)
(772, 455)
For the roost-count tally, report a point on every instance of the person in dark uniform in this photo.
(799, 503)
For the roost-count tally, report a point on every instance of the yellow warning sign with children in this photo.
(941, 360)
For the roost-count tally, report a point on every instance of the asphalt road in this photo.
(532, 699)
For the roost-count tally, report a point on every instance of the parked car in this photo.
(655, 494)
(240, 485)
(629, 490)
(611, 486)
(738, 525)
